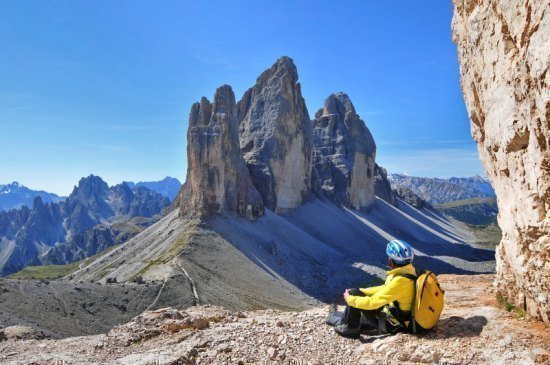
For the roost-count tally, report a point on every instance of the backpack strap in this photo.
(398, 314)
(408, 276)
(412, 320)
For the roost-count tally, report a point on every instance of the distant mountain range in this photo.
(441, 191)
(15, 195)
(168, 187)
(94, 217)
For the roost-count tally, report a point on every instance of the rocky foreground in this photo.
(474, 329)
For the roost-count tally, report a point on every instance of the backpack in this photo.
(428, 301)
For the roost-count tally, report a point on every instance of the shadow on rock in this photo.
(460, 327)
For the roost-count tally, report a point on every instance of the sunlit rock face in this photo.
(217, 178)
(344, 154)
(275, 137)
(504, 53)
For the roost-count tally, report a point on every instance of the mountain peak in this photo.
(90, 185)
(283, 68)
(224, 101)
(343, 144)
(337, 103)
(273, 117)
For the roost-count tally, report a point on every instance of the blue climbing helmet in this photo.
(400, 252)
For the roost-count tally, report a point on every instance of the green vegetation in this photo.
(510, 307)
(489, 235)
(476, 211)
(181, 242)
(46, 271)
(55, 271)
(472, 201)
(175, 249)
(480, 216)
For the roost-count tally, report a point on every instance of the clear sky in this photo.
(105, 87)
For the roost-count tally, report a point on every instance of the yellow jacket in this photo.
(395, 288)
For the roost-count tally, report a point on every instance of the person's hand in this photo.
(346, 295)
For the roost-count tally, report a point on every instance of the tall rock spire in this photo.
(275, 136)
(344, 154)
(217, 177)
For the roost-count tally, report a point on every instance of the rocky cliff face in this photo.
(504, 54)
(217, 177)
(275, 136)
(26, 233)
(344, 153)
(286, 156)
(409, 197)
(382, 186)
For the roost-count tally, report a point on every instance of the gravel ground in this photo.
(472, 330)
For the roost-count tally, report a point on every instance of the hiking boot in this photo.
(345, 331)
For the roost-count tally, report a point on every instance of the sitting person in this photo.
(387, 307)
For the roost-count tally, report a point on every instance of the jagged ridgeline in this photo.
(265, 152)
(93, 218)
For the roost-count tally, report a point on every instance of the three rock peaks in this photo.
(265, 152)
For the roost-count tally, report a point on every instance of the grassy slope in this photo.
(45, 272)
(489, 235)
(477, 211)
(459, 203)
(54, 271)
(473, 212)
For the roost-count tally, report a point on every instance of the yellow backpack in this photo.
(428, 302)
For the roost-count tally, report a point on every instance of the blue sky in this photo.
(105, 87)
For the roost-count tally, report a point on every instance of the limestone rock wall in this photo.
(275, 136)
(343, 155)
(217, 177)
(504, 54)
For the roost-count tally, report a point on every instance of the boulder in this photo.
(343, 155)
(275, 137)
(504, 54)
(217, 177)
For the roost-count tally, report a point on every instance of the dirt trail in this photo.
(192, 282)
(474, 329)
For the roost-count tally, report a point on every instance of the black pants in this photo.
(357, 318)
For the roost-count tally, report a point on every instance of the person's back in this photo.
(386, 307)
